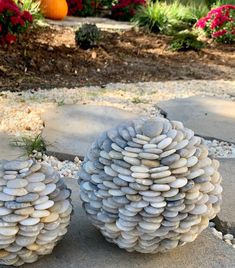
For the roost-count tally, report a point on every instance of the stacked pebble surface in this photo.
(34, 213)
(149, 185)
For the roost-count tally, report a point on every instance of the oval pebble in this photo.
(178, 183)
(45, 205)
(160, 187)
(139, 169)
(17, 183)
(36, 187)
(15, 192)
(30, 221)
(164, 143)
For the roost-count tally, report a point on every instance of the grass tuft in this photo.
(31, 144)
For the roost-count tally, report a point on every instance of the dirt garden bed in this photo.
(47, 57)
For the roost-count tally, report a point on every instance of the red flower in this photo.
(10, 38)
(27, 16)
(15, 20)
(12, 21)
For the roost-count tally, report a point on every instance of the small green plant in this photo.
(31, 144)
(153, 17)
(186, 41)
(61, 103)
(137, 100)
(87, 36)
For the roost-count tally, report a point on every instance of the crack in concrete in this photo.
(224, 226)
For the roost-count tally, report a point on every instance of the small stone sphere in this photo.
(149, 185)
(35, 209)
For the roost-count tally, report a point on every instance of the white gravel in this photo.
(227, 238)
(221, 149)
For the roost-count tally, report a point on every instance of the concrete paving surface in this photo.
(102, 23)
(207, 116)
(71, 129)
(84, 247)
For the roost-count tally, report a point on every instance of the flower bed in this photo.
(13, 21)
(219, 24)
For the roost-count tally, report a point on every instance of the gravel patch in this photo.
(221, 149)
(226, 237)
(65, 168)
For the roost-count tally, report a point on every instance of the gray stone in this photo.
(15, 192)
(36, 177)
(152, 128)
(169, 160)
(17, 183)
(16, 205)
(164, 143)
(199, 113)
(30, 221)
(30, 197)
(36, 187)
(16, 165)
(71, 129)
(226, 219)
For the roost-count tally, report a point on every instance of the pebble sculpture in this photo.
(149, 185)
(35, 210)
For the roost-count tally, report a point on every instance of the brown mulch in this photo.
(47, 57)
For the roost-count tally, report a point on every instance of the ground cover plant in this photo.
(184, 41)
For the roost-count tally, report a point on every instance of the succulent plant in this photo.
(87, 36)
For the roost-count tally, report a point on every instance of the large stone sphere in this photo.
(149, 185)
(35, 210)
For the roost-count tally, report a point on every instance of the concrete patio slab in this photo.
(102, 23)
(207, 116)
(7, 151)
(84, 247)
(70, 129)
(227, 214)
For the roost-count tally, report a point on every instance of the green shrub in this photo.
(87, 36)
(186, 41)
(153, 17)
(170, 16)
(32, 6)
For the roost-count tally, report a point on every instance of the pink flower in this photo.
(219, 33)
